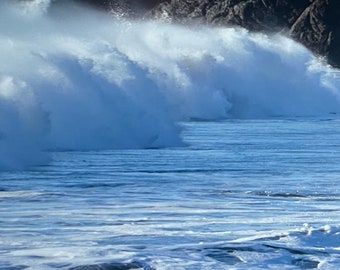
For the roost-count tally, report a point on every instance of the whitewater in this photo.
(140, 144)
(74, 79)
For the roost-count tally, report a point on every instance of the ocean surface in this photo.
(146, 145)
(244, 194)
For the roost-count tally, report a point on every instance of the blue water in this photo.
(243, 194)
(147, 145)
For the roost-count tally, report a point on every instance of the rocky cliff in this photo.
(314, 23)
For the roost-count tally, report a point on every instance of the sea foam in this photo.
(78, 79)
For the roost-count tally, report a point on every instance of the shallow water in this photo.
(243, 194)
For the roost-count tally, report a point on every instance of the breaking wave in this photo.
(77, 79)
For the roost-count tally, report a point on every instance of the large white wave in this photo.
(76, 79)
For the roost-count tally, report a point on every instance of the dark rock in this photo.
(319, 29)
(252, 14)
(314, 23)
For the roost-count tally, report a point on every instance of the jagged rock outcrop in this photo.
(314, 23)
(318, 28)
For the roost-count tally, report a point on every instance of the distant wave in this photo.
(76, 79)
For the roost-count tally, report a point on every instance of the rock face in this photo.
(318, 28)
(314, 23)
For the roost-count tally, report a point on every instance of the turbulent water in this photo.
(141, 144)
(246, 194)
(74, 79)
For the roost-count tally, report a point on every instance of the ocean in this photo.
(130, 144)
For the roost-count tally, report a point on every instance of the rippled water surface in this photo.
(243, 194)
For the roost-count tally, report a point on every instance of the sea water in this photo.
(141, 144)
(245, 194)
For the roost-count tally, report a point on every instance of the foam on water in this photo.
(236, 198)
(75, 79)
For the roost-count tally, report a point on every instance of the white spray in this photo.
(76, 79)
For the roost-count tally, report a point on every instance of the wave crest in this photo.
(89, 81)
